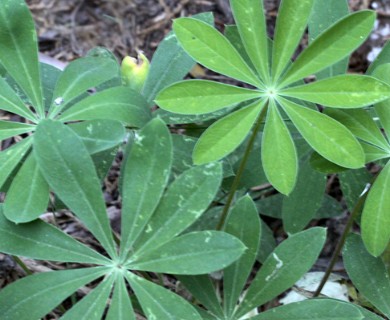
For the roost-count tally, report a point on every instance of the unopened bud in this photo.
(134, 71)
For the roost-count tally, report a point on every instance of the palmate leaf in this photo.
(336, 43)
(62, 156)
(183, 203)
(19, 50)
(344, 91)
(279, 157)
(226, 134)
(211, 49)
(9, 129)
(23, 299)
(367, 273)
(313, 309)
(250, 18)
(249, 232)
(325, 135)
(160, 303)
(287, 263)
(376, 214)
(192, 253)
(290, 25)
(145, 175)
(31, 240)
(28, 194)
(202, 96)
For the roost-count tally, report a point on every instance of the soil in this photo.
(68, 29)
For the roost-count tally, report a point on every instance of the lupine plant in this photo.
(292, 117)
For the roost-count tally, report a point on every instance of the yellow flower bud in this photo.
(135, 71)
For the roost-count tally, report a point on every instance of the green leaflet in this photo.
(160, 303)
(28, 195)
(226, 134)
(79, 76)
(62, 156)
(170, 63)
(290, 25)
(361, 124)
(9, 129)
(313, 309)
(344, 91)
(182, 204)
(287, 263)
(120, 306)
(117, 103)
(326, 136)
(334, 44)
(374, 153)
(382, 108)
(19, 50)
(323, 15)
(22, 299)
(367, 273)
(9, 158)
(99, 135)
(251, 23)
(211, 49)
(249, 232)
(382, 58)
(31, 240)
(11, 102)
(202, 96)
(192, 253)
(146, 172)
(92, 306)
(279, 157)
(376, 214)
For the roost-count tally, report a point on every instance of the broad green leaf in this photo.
(183, 203)
(34, 296)
(118, 103)
(68, 168)
(10, 157)
(325, 135)
(49, 77)
(336, 43)
(360, 123)
(367, 273)
(226, 134)
(374, 153)
(79, 76)
(31, 240)
(120, 306)
(382, 108)
(202, 289)
(211, 49)
(313, 309)
(99, 135)
(267, 242)
(278, 154)
(19, 50)
(9, 129)
(382, 58)
(158, 302)
(250, 19)
(170, 62)
(243, 222)
(344, 91)
(28, 195)
(145, 175)
(287, 263)
(192, 253)
(323, 165)
(376, 214)
(302, 204)
(11, 102)
(202, 96)
(323, 15)
(92, 306)
(290, 26)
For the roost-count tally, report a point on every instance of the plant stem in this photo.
(22, 265)
(241, 168)
(342, 240)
